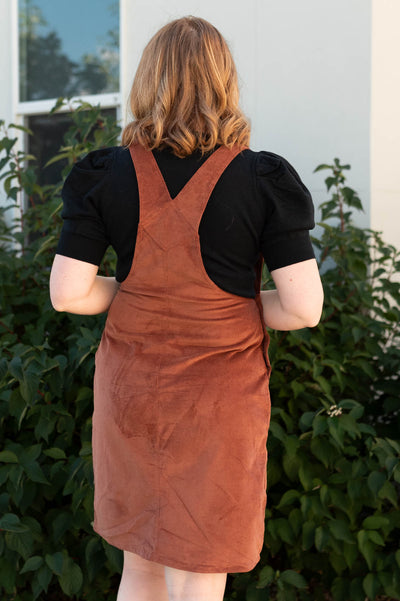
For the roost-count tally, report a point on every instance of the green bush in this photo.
(333, 521)
(48, 549)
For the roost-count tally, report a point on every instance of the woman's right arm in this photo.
(297, 301)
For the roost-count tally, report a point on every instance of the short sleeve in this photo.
(285, 238)
(83, 234)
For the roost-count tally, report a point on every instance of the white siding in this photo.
(7, 67)
(385, 120)
(305, 74)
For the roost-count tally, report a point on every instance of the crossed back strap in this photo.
(193, 197)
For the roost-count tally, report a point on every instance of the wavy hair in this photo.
(185, 92)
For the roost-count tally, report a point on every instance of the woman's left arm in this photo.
(75, 287)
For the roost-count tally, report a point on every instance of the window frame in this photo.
(23, 110)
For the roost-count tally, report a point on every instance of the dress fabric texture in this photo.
(181, 401)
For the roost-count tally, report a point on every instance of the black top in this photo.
(259, 205)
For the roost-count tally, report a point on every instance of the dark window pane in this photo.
(48, 133)
(68, 48)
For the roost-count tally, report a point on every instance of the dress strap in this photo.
(192, 199)
(194, 196)
(153, 192)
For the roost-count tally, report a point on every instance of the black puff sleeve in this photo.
(83, 234)
(285, 238)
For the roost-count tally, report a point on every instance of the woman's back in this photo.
(258, 206)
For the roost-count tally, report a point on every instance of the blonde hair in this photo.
(185, 92)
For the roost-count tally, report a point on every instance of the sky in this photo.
(81, 24)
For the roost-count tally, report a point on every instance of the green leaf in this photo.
(371, 586)
(373, 522)
(114, 556)
(265, 577)
(55, 453)
(71, 578)
(55, 562)
(340, 589)
(350, 553)
(338, 562)
(366, 547)
(61, 524)
(322, 166)
(288, 498)
(48, 242)
(306, 420)
(21, 542)
(44, 577)
(21, 128)
(35, 472)
(375, 481)
(277, 431)
(32, 564)
(376, 538)
(11, 523)
(8, 457)
(305, 476)
(308, 535)
(322, 450)
(356, 590)
(340, 530)
(321, 538)
(335, 431)
(319, 425)
(284, 530)
(15, 368)
(293, 578)
(389, 492)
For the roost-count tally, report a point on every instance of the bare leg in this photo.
(142, 580)
(192, 586)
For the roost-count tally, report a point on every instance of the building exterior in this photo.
(318, 79)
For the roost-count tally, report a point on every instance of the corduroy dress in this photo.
(181, 401)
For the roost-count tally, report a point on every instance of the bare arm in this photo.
(297, 301)
(75, 287)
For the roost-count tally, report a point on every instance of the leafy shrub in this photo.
(48, 549)
(333, 520)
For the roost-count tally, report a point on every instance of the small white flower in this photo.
(334, 411)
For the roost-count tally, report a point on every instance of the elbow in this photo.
(60, 299)
(312, 316)
(57, 303)
(312, 321)
(308, 315)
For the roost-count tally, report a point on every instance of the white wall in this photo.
(6, 68)
(385, 120)
(6, 76)
(305, 73)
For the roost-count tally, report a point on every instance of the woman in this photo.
(181, 408)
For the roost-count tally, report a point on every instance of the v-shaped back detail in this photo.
(191, 201)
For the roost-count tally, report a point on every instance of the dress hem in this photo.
(180, 565)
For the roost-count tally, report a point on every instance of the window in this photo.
(68, 49)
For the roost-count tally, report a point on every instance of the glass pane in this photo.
(68, 48)
(48, 133)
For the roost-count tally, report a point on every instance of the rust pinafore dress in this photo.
(181, 409)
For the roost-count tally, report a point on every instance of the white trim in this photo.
(15, 52)
(123, 54)
(39, 107)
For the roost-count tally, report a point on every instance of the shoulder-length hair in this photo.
(185, 92)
